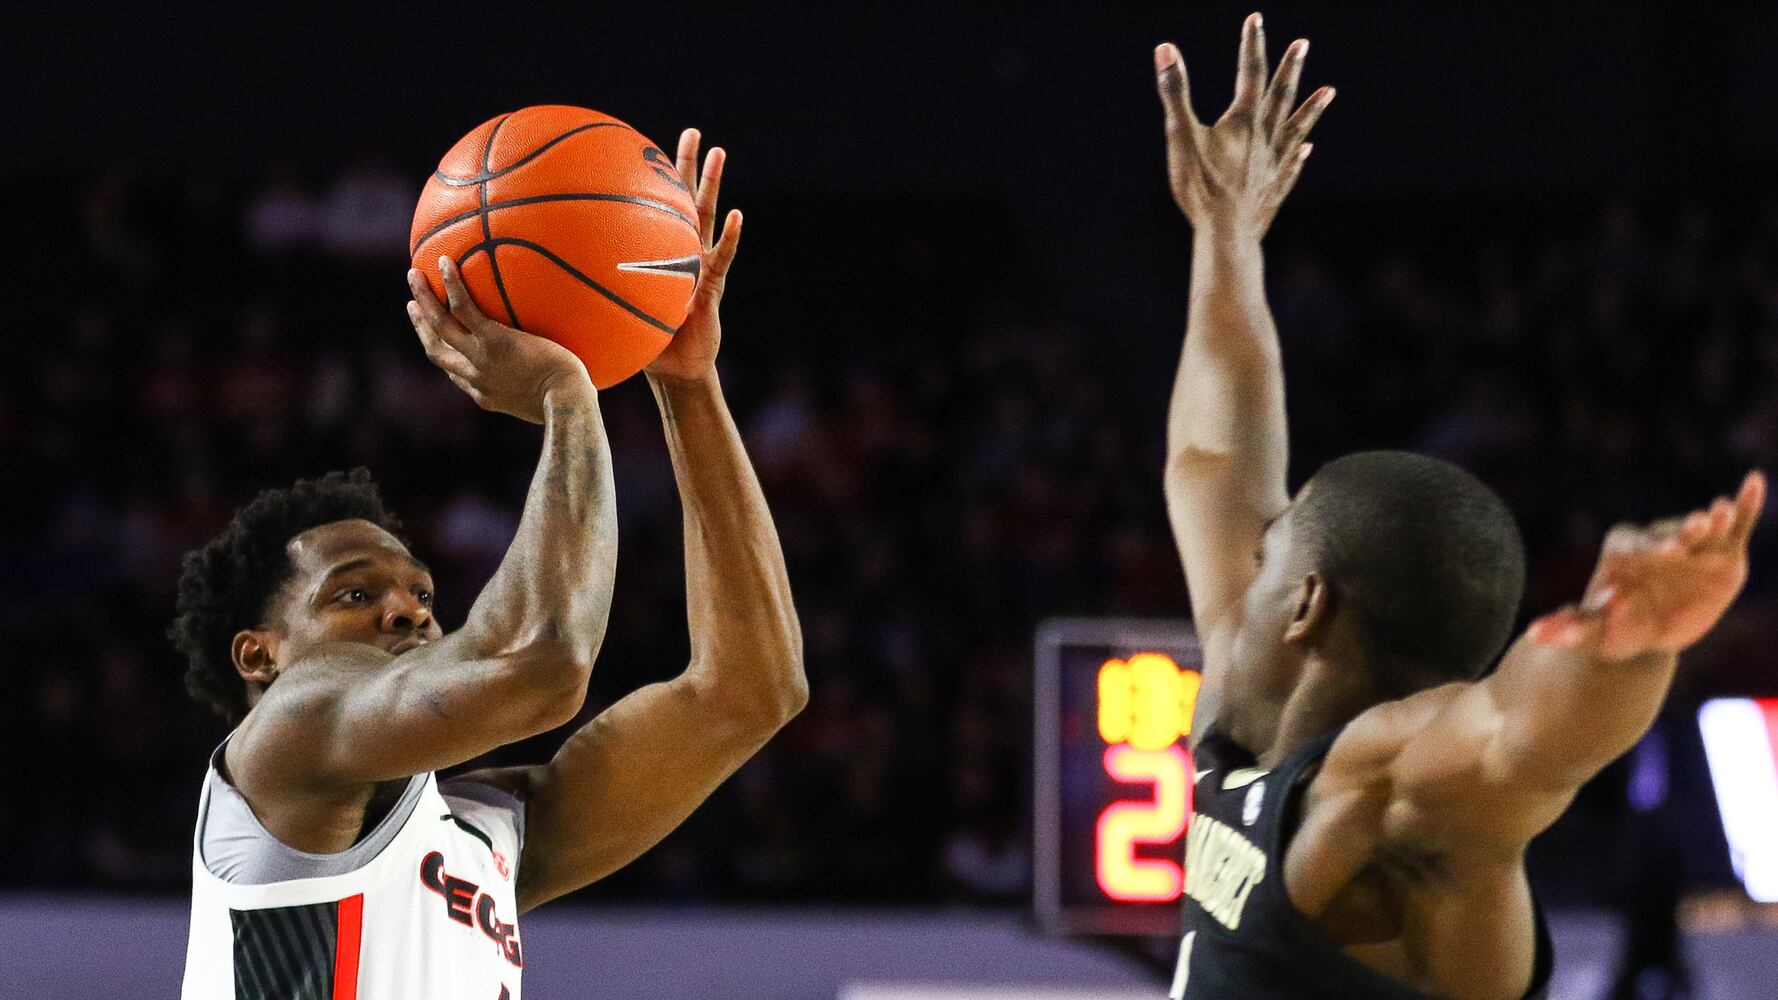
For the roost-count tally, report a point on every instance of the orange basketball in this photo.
(569, 224)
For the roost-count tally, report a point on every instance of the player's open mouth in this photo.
(407, 644)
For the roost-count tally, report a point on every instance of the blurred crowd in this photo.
(950, 453)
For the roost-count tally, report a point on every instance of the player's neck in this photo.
(1325, 697)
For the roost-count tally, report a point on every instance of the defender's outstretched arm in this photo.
(1479, 769)
(1227, 445)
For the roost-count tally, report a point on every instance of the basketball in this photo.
(568, 224)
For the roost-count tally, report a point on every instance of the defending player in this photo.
(329, 861)
(1366, 787)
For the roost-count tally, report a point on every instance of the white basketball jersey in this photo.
(431, 917)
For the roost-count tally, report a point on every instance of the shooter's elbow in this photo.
(552, 679)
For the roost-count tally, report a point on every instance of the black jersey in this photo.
(1243, 936)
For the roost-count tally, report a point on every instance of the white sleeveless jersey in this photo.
(431, 917)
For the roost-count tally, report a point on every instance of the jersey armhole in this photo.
(492, 796)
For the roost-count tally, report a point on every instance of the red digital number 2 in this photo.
(1156, 820)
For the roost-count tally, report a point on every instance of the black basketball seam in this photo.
(573, 272)
(659, 206)
(486, 175)
(487, 229)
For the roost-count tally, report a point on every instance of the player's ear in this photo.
(255, 654)
(1310, 613)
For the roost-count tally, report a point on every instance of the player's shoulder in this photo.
(1364, 750)
(297, 708)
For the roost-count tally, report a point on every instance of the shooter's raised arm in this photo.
(631, 775)
(555, 581)
(519, 664)
(1227, 445)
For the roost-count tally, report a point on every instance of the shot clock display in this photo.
(1113, 787)
(1113, 784)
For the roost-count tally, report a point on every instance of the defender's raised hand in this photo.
(692, 353)
(1660, 588)
(502, 369)
(1238, 171)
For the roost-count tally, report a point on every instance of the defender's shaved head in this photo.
(1425, 559)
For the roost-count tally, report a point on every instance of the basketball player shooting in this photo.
(1367, 777)
(329, 860)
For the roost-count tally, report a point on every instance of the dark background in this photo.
(1041, 108)
(1541, 241)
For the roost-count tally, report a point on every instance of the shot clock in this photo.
(1114, 701)
(1113, 784)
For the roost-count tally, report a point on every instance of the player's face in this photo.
(354, 582)
(1265, 665)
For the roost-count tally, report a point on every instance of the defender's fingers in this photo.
(1627, 538)
(709, 187)
(1292, 170)
(1694, 529)
(1675, 536)
(1281, 95)
(1250, 76)
(1749, 503)
(457, 296)
(1722, 518)
(1296, 129)
(686, 160)
(1629, 552)
(1598, 600)
(1176, 98)
(1666, 527)
(1173, 83)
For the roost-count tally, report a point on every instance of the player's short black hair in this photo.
(226, 585)
(1426, 560)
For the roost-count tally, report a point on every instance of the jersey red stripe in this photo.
(345, 956)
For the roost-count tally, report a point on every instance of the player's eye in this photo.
(354, 595)
(424, 596)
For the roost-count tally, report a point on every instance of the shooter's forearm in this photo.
(746, 642)
(553, 588)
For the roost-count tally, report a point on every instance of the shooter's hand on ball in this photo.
(1238, 171)
(692, 352)
(502, 369)
(1660, 588)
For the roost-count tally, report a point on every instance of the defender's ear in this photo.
(1311, 608)
(255, 654)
